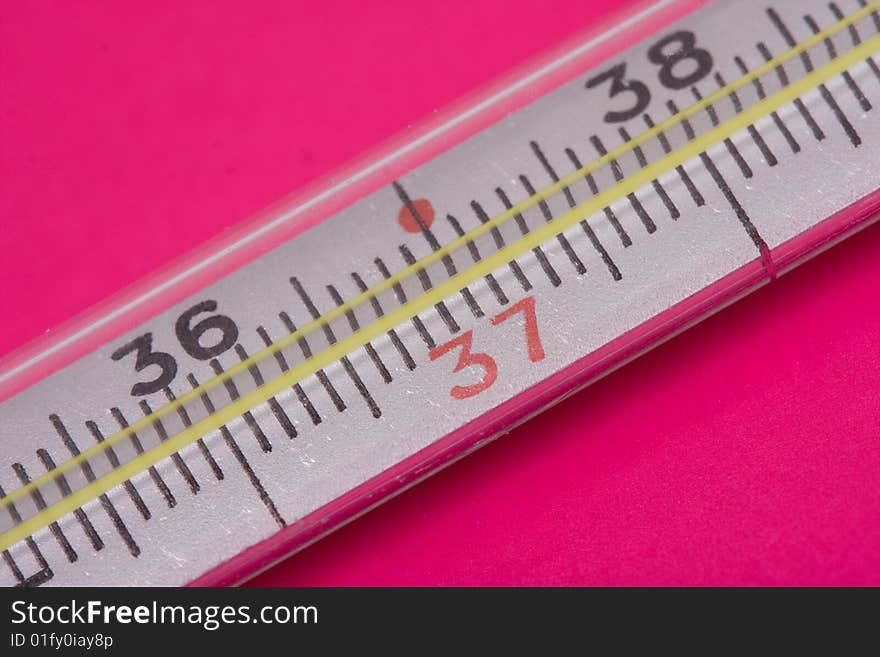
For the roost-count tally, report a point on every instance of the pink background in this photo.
(746, 451)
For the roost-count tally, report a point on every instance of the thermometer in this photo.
(349, 342)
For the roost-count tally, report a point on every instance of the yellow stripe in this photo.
(441, 291)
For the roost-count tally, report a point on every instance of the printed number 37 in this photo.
(467, 358)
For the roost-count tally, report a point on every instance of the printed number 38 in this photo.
(681, 64)
(467, 358)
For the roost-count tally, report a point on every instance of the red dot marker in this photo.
(425, 211)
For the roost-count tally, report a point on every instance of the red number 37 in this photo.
(467, 358)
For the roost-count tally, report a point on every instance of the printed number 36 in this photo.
(467, 358)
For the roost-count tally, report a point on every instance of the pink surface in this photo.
(745, 451)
